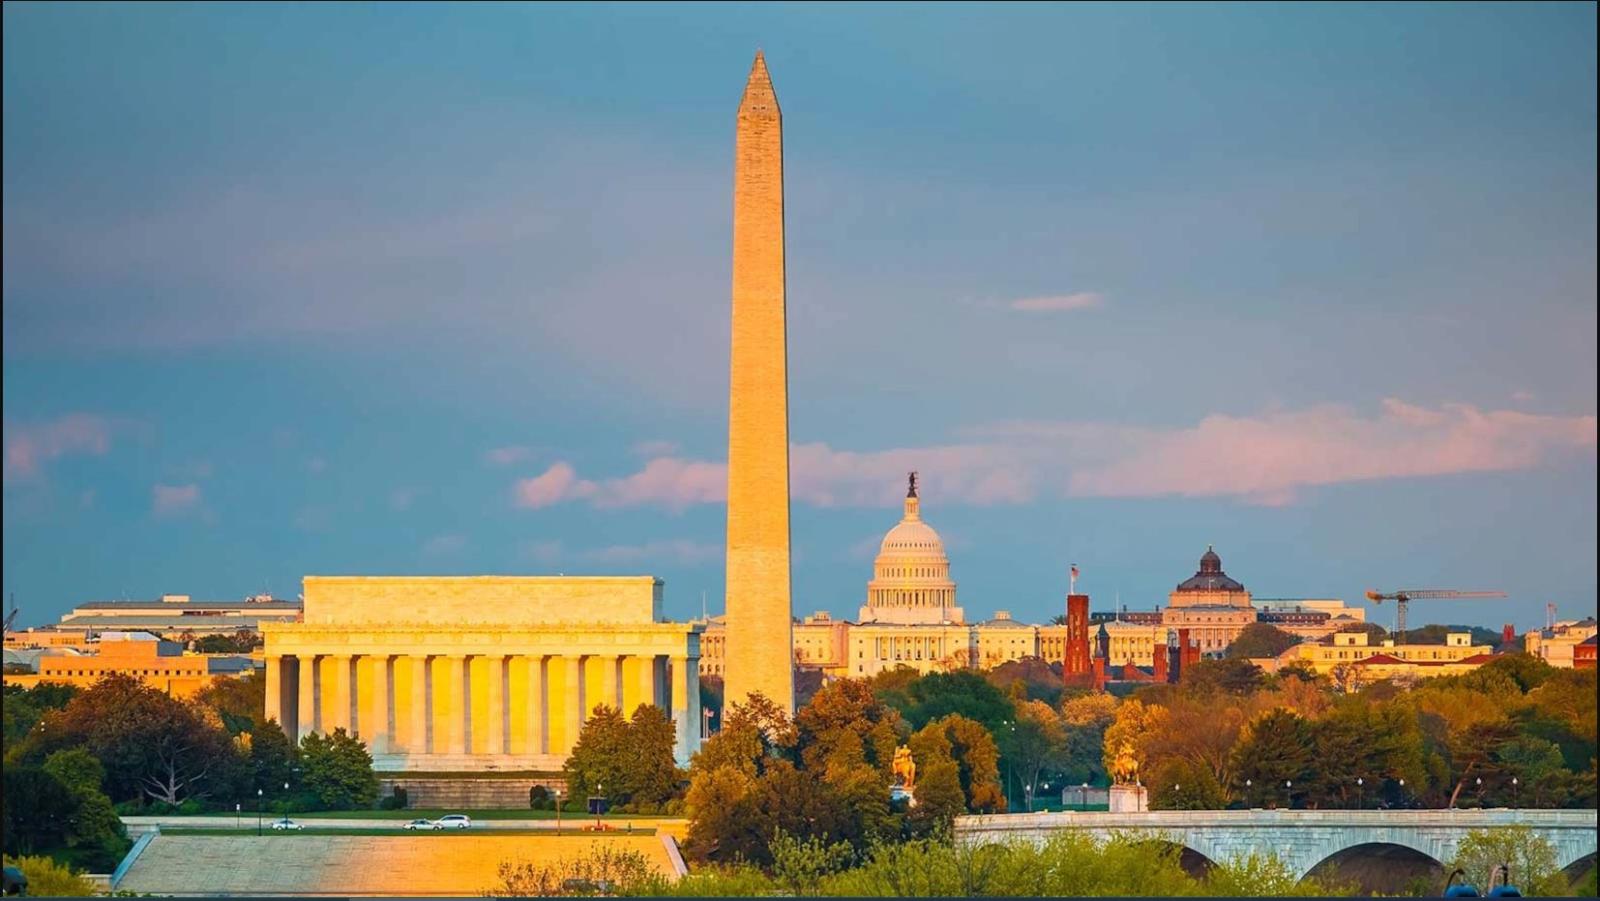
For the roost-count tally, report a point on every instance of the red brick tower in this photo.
(1076, 664)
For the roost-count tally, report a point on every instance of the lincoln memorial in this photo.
(478, 673)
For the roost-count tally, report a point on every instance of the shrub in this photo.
(398, 800)
(46, 878)
(604, 870)
(1530, 856)
(538, 797)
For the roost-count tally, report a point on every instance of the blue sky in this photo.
(427, 289)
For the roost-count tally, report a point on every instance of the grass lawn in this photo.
(441, 833)
(433, 814)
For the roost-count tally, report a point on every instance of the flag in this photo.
(1074, 570)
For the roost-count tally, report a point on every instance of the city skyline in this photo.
(469, 315)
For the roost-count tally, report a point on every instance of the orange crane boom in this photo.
(1405, 595)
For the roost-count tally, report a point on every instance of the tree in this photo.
(1131, 731)
(938, 794)
(717, 800)
(1178, 784)
(241, 702)
(1530, 856)
(847, 707)
(1086, 718)
(628, 761)
(978, 758)
(77, 769)
(922, 700)
(95, 836)
(1274, 759)
(338, 770)
(1033, 742)
(38, 811)
(599, 757)
(151, 745)
(1039, 681)
(272, 758)
(24, 707)
(651, 773)
(800, 865)
(1261, 640)
(1229, 676)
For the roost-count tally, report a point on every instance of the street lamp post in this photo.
(601, 788)
(258, 813)
(1403, 794)
(1478, 787)
(1515, 805)
(1247, 799)
(1360, 796)
(237, 814)
(1083, 796)
(557, 793)
(1288, 794)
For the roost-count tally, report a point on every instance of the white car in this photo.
(422, 824)
(286, 825)
(454, 821)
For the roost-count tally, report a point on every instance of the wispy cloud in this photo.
(655, 448)
(28, 447)
(1263, 459)
(444, 545)
(174, 500)
(1059, 303)
(401, 499)
(678, 550)
(505, 456)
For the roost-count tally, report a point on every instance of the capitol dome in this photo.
(911, 575)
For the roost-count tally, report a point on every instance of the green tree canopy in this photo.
(1275, 760)
(1261, 640)
(337, 769)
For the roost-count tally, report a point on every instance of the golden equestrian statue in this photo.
(905, 769)
(1125, 766)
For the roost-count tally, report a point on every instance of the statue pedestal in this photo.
(901, 793)
(1129, 799)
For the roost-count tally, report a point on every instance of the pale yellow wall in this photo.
(513, 600)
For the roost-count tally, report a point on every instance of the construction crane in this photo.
(1405, 595)
(12, 616)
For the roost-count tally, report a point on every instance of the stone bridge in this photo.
(1303, 839)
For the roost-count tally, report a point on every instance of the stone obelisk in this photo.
(759, 644)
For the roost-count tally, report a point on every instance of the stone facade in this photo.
(478, 673)
(1301, 838)
(758, 582)
(1557, 645)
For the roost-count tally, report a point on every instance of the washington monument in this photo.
(758, 606)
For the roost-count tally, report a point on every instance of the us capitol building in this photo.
(911, 618)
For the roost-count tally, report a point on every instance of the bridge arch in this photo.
(1579, 868)
(1384, 867)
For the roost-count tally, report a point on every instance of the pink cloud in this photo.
(173, 500)
(1060, 303)
(668, 481)
(1265, 459)
(29, 447)
(557, 484)
(1262, 460)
